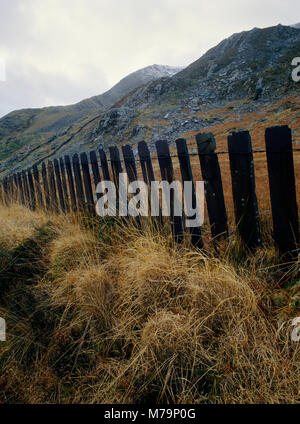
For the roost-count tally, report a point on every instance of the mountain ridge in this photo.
(20, 128)
(129, 83)
(251, 65)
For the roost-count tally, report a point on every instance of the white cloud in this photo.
(60, 51)
(2, 70)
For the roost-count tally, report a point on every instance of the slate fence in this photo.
(69, 184)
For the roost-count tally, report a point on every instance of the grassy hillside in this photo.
(98, 312)
(30, 130)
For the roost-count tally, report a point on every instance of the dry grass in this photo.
(119, 315)
(18, 223)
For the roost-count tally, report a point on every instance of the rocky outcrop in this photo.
(253, 65)
(247, 64)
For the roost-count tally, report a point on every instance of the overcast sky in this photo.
(61, 51)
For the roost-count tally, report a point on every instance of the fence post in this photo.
(5, 191)
(52, 187)
(104, 165)
(2, 192)
(26, 189)
(64, 184)
(59, 186)
(71, 183)
(116, 166)
(32, 203)
(187, 175)
(130, 168)
(46, 186)
(8, 190)
(129, 163)
(148, 173)
(20, 186)
(213, 184)
(36, 177)
(116, 169)
(146, 164)
(282, 190)
(95, 168)
(12, 188)
(167, 174)
(15, 182)
(87, 183)
(78, 182)
(243, 188)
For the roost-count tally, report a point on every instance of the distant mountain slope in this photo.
(125, 86)
(250, 63)
(20, 128)
(251, 68)
(253, 65)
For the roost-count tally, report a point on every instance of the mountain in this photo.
(251, 67)
(26, 129)
(251, 70)
(251, 63)
(296, 25)
(125, 86)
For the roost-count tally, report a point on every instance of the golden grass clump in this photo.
(71, 248)
(154, 276)
(89, 292)
(150, 278)
(166, 335)
(193, 317)
(18, 223)
(136, 318)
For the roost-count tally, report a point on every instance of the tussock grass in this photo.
(18, 223)
(115, 314)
